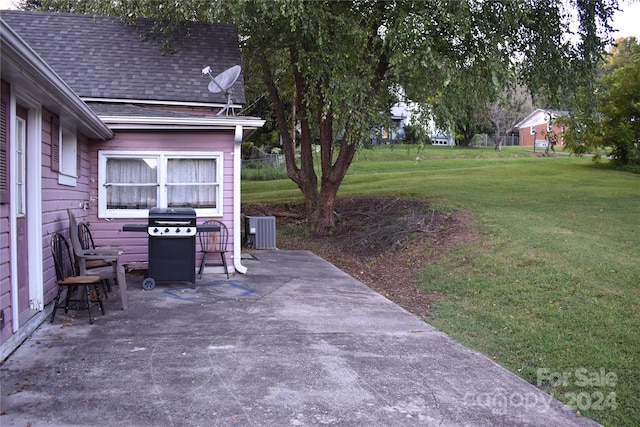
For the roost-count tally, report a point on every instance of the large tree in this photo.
(506, 111)
(606, 114)
(337, 64)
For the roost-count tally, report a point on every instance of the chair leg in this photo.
(122, 285)
(224, 262)
(201, 269)
(70, 290)
(104, 286)
(97, 288)
(88, 295)
(56, 303)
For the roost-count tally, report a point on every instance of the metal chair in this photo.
(67, 277)
(214, 242)
(84, 257)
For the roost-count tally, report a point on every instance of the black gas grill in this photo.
(172, 246)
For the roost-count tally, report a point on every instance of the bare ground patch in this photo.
(383, 242)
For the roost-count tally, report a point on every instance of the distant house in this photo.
(100, 119)
(539, 126)
(400, 116)
(404, 113)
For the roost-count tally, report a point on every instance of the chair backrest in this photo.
(62, 259)
(73, 234)
(86, 239)
(214, 241)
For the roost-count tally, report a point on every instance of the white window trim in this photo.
(103, 212)
(68, 167)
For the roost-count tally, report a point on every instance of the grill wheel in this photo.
(148, 284)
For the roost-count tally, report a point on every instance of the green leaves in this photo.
(607, 115)
(333, 68)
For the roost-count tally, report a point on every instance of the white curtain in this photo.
(132, 183)
(191, 182)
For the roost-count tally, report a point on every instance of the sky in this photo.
(625, 21)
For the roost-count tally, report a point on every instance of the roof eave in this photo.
(192, 123)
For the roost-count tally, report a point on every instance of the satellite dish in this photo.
(223, 82)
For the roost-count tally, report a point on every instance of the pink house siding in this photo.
(167, 118)
(56, 198)
(108, 232)
(5, 267)
(5, 273)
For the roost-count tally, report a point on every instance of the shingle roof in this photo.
(101, 57)
(540, 116)
(132, 110)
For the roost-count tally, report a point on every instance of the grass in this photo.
(551, 287)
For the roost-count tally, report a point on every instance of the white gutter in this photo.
(237, 223)
(138, 122)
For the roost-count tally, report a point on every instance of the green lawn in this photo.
(552, 286)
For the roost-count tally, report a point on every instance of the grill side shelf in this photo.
(135, 227)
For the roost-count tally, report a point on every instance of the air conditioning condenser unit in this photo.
(260, 232)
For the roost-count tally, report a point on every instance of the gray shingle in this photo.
(132, 110)
(101, 57)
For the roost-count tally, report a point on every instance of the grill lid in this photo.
(172, 214)
(172, 222)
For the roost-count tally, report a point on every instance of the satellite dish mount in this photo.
(223, 82)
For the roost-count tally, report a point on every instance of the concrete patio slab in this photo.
(296, 342)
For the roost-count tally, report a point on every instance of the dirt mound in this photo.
(383, 242)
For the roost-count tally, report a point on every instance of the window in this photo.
(68, 158)
(132, 182)
(21, 167)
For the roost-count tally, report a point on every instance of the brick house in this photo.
(539, 126)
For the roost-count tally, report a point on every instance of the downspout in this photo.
(237, 223)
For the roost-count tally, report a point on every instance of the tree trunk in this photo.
(324, 219)
(499, 139)
(319, 203)
(466, 139)
(304, 176)
(323, 216)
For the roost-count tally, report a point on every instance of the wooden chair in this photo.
(87, 242)
(214, 242)
(67, 277)
(111, 256)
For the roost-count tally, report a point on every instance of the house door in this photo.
(22, 234)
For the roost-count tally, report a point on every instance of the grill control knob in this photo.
(177, 229)
(155, 230)
(188, 230)
(166, 230)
